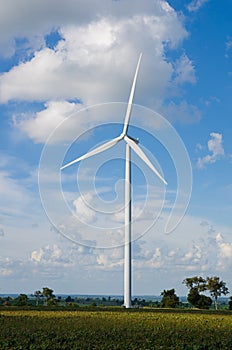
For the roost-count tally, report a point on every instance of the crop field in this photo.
(116, 329)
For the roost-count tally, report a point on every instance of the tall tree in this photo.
(196, 285)
(37, 295)
(230, 303)
(170, 299)
(216, 288)
(22, 300)
(198, 300)
(196, 282)
(48, 294)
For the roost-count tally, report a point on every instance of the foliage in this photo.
(69, 300)
(37, 295)
(21, 300)
(230, 304)
(47, 293)
(121, 329)
(204, 302)
(169, 298)
(138, 302)
(196, 282)
(216, 288)
(198, 300)
(196, 285)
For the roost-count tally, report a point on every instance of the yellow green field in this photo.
(116, 329)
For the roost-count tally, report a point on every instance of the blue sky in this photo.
(66, 70)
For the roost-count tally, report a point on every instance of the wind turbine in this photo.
(131, 143)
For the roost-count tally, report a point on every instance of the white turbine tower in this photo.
(130, 143)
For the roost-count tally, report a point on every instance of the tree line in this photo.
(197, 286)
(46, 296)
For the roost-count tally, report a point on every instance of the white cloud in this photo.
(37, 255)
(182, 111)
(195, 5)
(7, 267)
(224, 253)
(138, 211)
(106, 262)
(225, 248)
(83, 208)
(43, 123)
(100, 51)
(215, 146)
(14, 197)
(31, 19)
(185, 71)
(201, 251)
(194, 255)
(50, 255)
(94, 58)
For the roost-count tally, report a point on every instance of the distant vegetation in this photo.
(168, 299)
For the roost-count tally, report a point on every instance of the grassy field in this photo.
(115, 329)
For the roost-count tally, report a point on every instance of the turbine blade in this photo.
(95, 151)
(130, 101)
(143, 156)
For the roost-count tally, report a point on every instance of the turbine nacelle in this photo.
(133, 143)
(133, 139)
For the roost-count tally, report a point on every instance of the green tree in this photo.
(198, 300)
(230, 303)
(204, 302)
(37, 295)
(196, 282)
(48, 295)
(21, 300)
(169, 298)
(193, 296)
(216, 288)
(196, 285)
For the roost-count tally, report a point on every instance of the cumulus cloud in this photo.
(50, 255)
(185, 71)
(93, 57)
(215, 146)
(105, 261)
(225, 251)
(83, 208)
(37, 255)
(195, 5)
(14, 198)
(209, 253)
(31, 19)
(97, 52)
(39, 126)
(7, 266)
(184, 112)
